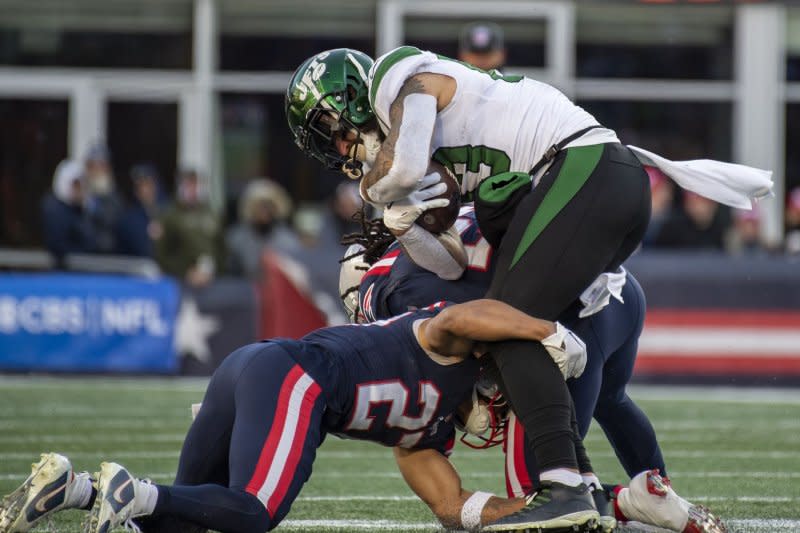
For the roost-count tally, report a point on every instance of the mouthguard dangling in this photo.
(352, 169)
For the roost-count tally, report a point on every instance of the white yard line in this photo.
(766, 524)
(359, 524)
(360, 498)
(716, 394)
(738, 526)
(685, 454)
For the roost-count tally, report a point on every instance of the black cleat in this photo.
(553, 508)
(607, 522)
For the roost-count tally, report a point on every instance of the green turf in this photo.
(737, 453)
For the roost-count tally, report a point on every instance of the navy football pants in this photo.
(249, 451)
(611, 338)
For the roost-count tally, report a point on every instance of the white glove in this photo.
(400, 215)
(567, 350)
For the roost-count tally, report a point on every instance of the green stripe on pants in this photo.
(578, 166)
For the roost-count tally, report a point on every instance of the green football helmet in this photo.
(328, 95)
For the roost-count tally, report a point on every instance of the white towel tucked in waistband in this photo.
(599, 293)
(726, 183)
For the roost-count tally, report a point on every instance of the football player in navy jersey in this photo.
(392, 283)
(269, 406)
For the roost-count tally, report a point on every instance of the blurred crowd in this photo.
(683, 220)
(86, 214)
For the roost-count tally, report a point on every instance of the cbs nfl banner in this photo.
(87, 323)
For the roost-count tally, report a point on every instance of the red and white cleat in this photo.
(650, 500)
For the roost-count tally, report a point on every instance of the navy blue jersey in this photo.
(395, 284)
(380, 385)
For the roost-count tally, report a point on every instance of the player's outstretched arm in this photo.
(434, 479)
(405, 154)
(481, 320)
(455, 330)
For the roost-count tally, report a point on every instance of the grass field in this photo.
(736, 450)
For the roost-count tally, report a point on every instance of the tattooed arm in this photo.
(405, 154)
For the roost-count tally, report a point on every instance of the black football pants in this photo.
(585, 217)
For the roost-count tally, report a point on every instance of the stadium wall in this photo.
(710, 317)
(719, 317)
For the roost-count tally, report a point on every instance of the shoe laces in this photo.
(537, 498)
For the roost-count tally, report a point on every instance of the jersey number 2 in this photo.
(396, 395)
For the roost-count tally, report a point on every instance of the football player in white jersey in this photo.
(586, 215)
(384, 121)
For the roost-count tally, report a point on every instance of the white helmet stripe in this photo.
(358, 66)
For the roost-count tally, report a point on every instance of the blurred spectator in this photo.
(323, 226)
(662, 193)
(699, 224)
(138, 226)
(322, 230)
(482, 44)
(102, 202)
(792, 217)
(188, 247)
(345, 203)
(264, 208)
(746, 235)
(66, 228)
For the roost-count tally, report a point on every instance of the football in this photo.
(440, 219)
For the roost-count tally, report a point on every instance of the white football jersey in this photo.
(493, 123)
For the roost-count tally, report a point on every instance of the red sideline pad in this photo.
(720, 342)
(286, 309)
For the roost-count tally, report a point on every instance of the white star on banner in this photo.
(192, 331)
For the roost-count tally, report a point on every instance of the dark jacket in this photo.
(132, 233)
(66, 229)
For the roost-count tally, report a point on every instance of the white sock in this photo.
(146, 500)
(592, 480)
(562, 475)
(80, 492)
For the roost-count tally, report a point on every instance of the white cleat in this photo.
(650, 500)
(119, 497)
(47, 490)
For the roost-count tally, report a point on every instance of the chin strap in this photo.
(361, 153)
(352, 169)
